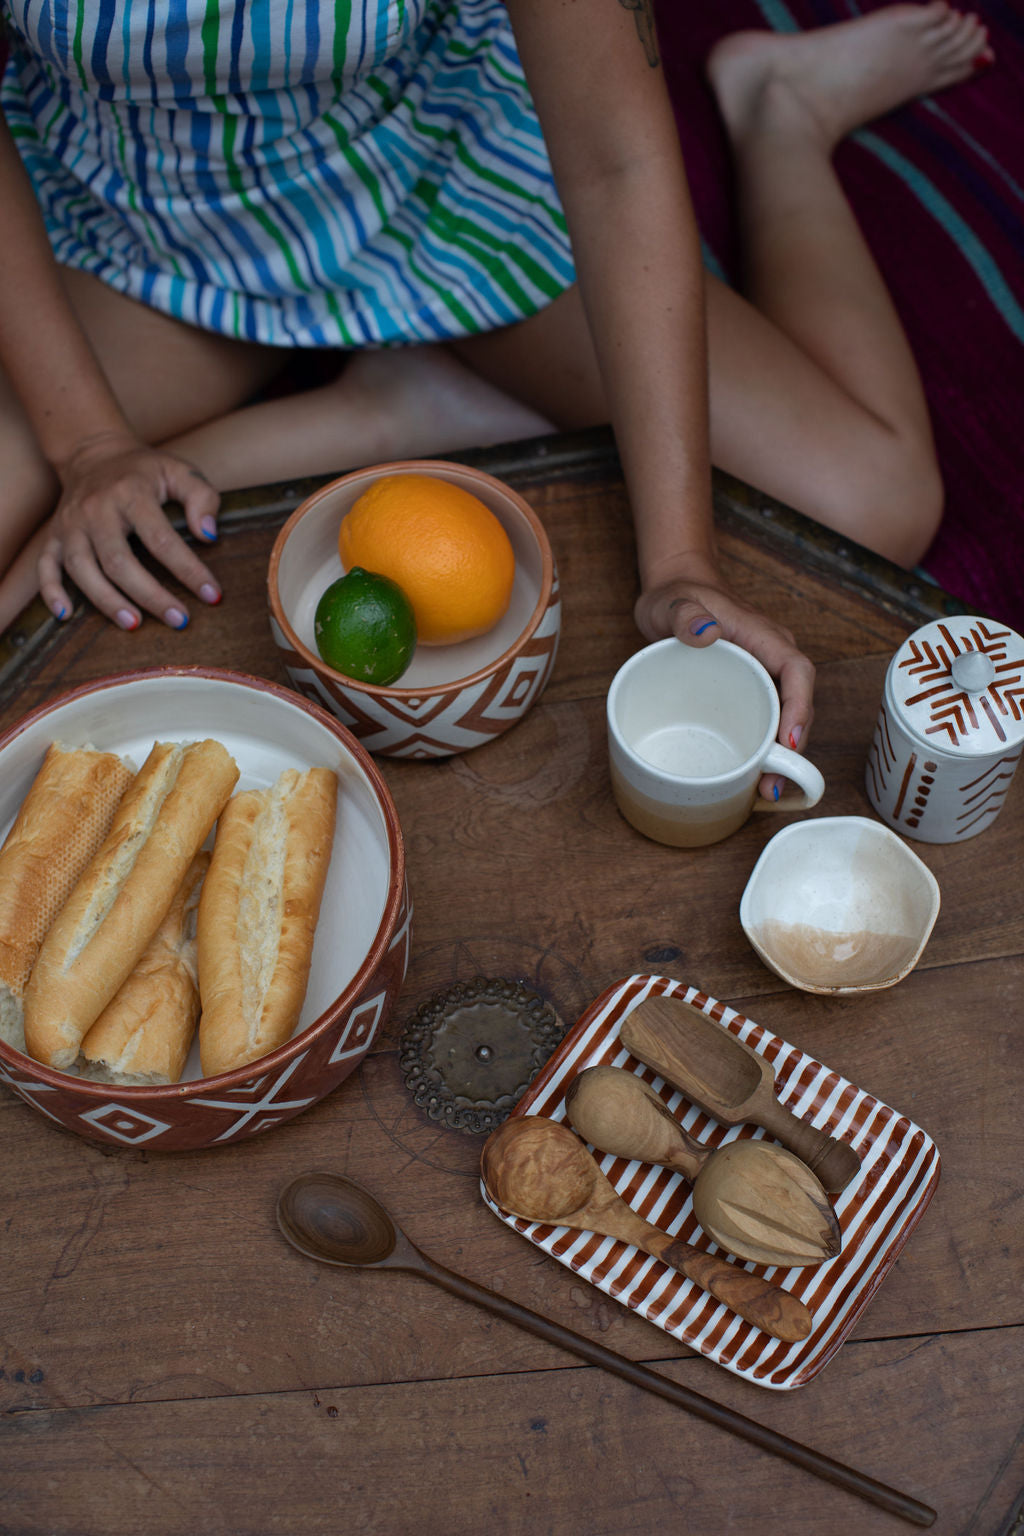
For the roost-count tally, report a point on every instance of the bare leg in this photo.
(867, 459)
(815, 397)
(167, 376)
(388, 404)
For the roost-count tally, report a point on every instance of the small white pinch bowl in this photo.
(451, 697)
(361, 950)
(839, 905)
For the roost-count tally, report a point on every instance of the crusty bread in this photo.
(144, 1033)
(62, 821)
(124, 894)
(258, 915)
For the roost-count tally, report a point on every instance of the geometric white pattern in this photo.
(360, 1028)
(257, 1114)
(442, 723)
(125, 1124)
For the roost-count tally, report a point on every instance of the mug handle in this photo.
(791, 765)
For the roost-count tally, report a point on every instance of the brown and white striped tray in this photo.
(877, 1212)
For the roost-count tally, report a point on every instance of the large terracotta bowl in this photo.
(362, 942)
(452, 697)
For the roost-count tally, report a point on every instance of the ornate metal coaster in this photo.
(470, 1053)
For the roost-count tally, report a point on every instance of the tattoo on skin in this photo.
(643, 15)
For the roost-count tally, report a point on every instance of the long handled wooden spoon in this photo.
(753, 1198)
(722, 1075)
(331, 1218)
(540, 1170)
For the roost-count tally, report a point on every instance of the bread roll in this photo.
(258, 915)
(144, 1033)
(124, 894)
(62, 821)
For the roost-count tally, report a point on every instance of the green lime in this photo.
(365, 628)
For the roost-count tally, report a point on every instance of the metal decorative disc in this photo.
(470, 1053)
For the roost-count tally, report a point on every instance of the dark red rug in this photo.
(939, 190)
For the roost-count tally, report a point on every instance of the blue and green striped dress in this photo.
(359, 173)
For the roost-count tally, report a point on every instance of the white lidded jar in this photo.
(950, 729)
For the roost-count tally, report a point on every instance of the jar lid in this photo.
(959, 684)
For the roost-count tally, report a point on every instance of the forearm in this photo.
(614, 149)
(43, 350)
(642, 287)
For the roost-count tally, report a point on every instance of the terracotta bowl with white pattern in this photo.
(362, 942)
(452, 697)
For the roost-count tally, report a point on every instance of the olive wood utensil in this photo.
(539, 1169)
(328, 1217)
(753, 1198)
(724, 1076)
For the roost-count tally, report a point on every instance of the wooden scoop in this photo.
(753, 1197)
(725, 1077)
(539, 1170)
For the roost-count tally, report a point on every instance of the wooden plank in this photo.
(567, 1452)
(189, 1247)
(166, 1357)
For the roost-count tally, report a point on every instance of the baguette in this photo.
(143, 1035)
(124, 894)
(62, 821)
(258, 915)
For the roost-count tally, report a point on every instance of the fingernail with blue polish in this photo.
(175, 618)
(775, 791)
(706, 625)
(208, 529)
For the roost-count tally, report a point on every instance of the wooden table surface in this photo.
(170, 1365)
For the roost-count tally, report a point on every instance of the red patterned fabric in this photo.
(939, 190)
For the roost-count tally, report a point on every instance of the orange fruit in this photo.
(444, 548)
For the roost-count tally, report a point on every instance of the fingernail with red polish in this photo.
(794, 736)
(210, 594)
(127, 619)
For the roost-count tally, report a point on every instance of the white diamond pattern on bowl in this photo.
(877, 1212)
(398, 725)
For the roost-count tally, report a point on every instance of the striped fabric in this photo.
(289, 172)
(938, 187)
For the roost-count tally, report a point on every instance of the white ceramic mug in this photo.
(690, 732)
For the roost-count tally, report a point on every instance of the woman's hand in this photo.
(698, 609)
(114, 486)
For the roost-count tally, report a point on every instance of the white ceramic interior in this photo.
(266, 730)
(309, 561)
(691, 711)
(839, 904)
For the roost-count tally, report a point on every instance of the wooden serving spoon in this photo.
(754, 1198)
(719, 1073)
(540, 1170)
(335, 1220)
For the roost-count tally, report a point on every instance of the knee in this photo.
(897, 506)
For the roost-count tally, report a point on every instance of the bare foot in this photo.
(396, 403)
(833, 79)
(426, 401)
